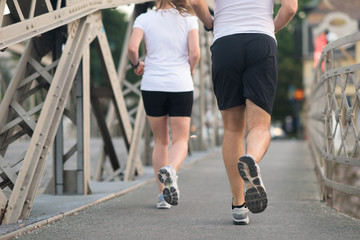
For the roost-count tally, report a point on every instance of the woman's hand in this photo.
(140, 69)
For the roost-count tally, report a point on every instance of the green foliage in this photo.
(289, 64)
(5, 71)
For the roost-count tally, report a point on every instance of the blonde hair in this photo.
(183, 6)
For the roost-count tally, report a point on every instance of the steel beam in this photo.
(134, 163)
(110, 119)
(24, 191)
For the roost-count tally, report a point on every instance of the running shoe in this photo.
(162, 204)
(240, 216)
(167, 176)
(255, 195)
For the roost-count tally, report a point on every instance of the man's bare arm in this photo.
(202, 11)
(286, 12)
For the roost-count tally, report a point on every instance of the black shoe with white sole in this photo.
(255, 195)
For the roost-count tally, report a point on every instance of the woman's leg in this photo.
(159, 126)
(180, 128)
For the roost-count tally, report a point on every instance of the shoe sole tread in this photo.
(170, 193)
(255, 195)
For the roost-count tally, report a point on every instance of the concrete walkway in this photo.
(294, 210)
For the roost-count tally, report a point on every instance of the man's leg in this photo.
(258, 131)
(257, 143)
(233, 149)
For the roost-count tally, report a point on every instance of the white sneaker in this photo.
(162, 204)
(255, 195)
(167, 176)
(240, 216)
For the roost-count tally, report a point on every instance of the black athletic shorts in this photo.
(174, 104)
(244, 66)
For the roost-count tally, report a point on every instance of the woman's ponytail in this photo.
(183, 6)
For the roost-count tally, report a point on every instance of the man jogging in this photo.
(244, 73)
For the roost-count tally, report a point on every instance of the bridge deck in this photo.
(294, 210)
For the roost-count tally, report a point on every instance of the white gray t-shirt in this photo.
(243, 16)
(167, 65)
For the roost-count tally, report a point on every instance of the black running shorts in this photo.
(174, 104)
(244, 66)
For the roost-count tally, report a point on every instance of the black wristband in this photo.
(208, 29)
(136, 65)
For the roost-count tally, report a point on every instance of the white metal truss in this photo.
(41, 122)
(29, 22)
(128, 89)
(44, 129)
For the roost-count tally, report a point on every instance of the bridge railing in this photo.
(333, 121)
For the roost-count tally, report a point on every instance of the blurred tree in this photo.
(290, 65)
(5, 71)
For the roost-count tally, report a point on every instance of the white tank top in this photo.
(243, 16)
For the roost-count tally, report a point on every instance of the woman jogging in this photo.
(172, 45)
